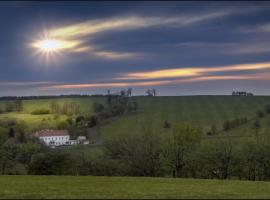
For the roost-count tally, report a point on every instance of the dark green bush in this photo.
(41, 111)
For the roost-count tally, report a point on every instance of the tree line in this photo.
(12, 106)
(115, 106)
(242, 93)
(183, 153)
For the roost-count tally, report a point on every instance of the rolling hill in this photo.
(199, 111)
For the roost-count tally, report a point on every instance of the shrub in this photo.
(40, 111)
(267, 109)
(260, 113)
(62, 125)
(166, 124)
(98, 107)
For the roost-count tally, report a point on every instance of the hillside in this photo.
(199, 111)
(72, 187)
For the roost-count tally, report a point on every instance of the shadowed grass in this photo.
(65, 187)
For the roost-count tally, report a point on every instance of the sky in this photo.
(178, 48)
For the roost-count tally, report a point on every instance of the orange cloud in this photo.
(106, 85)
(191, 72)
(157, 83)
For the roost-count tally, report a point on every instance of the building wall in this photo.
(55, 140)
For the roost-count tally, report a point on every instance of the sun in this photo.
(50, 48)
(50, 45)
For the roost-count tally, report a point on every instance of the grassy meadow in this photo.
(72, 187)
(199, 111)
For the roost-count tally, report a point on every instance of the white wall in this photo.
(57, 140)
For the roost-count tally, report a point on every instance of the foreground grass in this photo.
(127, 187)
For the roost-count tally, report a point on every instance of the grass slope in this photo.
(200, 111)
(33, 121)
(65, 187)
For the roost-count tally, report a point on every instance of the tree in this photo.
(226, 126)
(93, 121)
(123, 93)
(166, 124)
(11, 133)
(27, 150)
(149, 92)
(129, 91)
(179, 146)
(214, 129)
(139, 154)
(8, 157)
(154, 92)
(62, 125)
(9, 106)
(65, 109)
(260, 114)
(79, 119)
(267, 109)
(218, 158)
(98, 107)
(50, 163)
(55, 107)
(18, 105)
(257, 126)
(20, 136)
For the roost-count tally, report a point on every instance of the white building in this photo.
(54, 137)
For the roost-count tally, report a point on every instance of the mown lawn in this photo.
(63, 187)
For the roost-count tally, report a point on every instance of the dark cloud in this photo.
(166, 35)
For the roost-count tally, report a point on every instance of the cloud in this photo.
(107, 85)
(91, 27)
(22, 83)
(116, 55)
(176, 76)
(259, 28)
(75, 37)
(191, 72)
(158, 83)
(246, 47)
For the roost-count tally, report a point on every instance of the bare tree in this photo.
(129, 91)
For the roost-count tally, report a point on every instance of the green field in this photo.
(48, 120)
(127, 188)
(199, 111)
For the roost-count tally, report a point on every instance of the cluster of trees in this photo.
(151, 153)
(66, 108)
(241, 93)
(151, 92)
(230, 124)
(116, 105)
(12, 106)
(41, 111)
(16, 148)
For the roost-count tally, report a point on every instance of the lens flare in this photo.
(51, 45)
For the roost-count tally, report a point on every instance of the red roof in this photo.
(48, 133)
